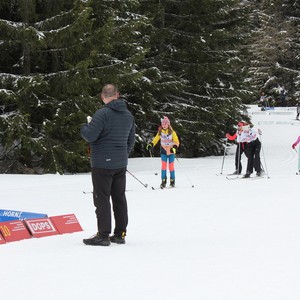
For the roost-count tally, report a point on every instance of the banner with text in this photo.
(8, 215)
(2, 240)
(14, 231)
(66, 223)
(41, 227)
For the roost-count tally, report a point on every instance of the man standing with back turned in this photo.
(111, 136)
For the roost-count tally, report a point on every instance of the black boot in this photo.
(247, 175)
(118, 239)
(260, 173)
(172, 182)
(236, 172)
(97, 240)
(163, 183)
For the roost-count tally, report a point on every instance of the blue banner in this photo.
(9, 215)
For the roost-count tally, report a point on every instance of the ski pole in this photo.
(298, 172)
(239, 158)
(144, 184)
(225, 147)
(262, 149)
(150, 152)
(299, 161)
(188, 178)
(151, 155)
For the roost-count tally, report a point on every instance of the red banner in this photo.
(14, 231)
(66, 223)
(2, 240)
(41, 227)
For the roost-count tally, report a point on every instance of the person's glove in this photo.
(294, 145)
(89, 119)
(149, 146)
(174, 149)
(231, 137)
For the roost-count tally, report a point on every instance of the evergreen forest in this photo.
(199, 62)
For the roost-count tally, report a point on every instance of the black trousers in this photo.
(110, 184)
(240, 149)
(253, 153)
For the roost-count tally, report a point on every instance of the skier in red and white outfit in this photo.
(240, 149)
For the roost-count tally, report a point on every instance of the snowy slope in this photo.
(235, 240)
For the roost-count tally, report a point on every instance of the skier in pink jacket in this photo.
(296, 143)
(294, 146)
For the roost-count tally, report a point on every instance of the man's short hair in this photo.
(109, 90)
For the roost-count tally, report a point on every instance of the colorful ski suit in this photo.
(168, 138)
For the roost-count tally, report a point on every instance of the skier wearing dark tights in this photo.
(240, 149)
(250, 135)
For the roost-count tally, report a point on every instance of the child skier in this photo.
(240, 149)
(294, 146)
(168, 145)
(250, 136)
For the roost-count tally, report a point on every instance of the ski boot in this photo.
(260, 173)
(236, 172)
(118, 238)
(163, 183)
(172, 182)
(247, 175)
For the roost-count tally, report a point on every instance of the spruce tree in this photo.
(178, 58)
(273, 48)
(289, 64)
(66, 51)
(45, 77)
(196, 53)
(118, 52)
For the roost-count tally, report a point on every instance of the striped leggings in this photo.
(164, 162)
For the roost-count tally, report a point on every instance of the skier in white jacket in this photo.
(250, 135)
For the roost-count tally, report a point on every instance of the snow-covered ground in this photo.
(221, 240)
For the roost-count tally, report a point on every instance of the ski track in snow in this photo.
(276, 139)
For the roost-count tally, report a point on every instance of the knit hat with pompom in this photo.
(165, 121)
